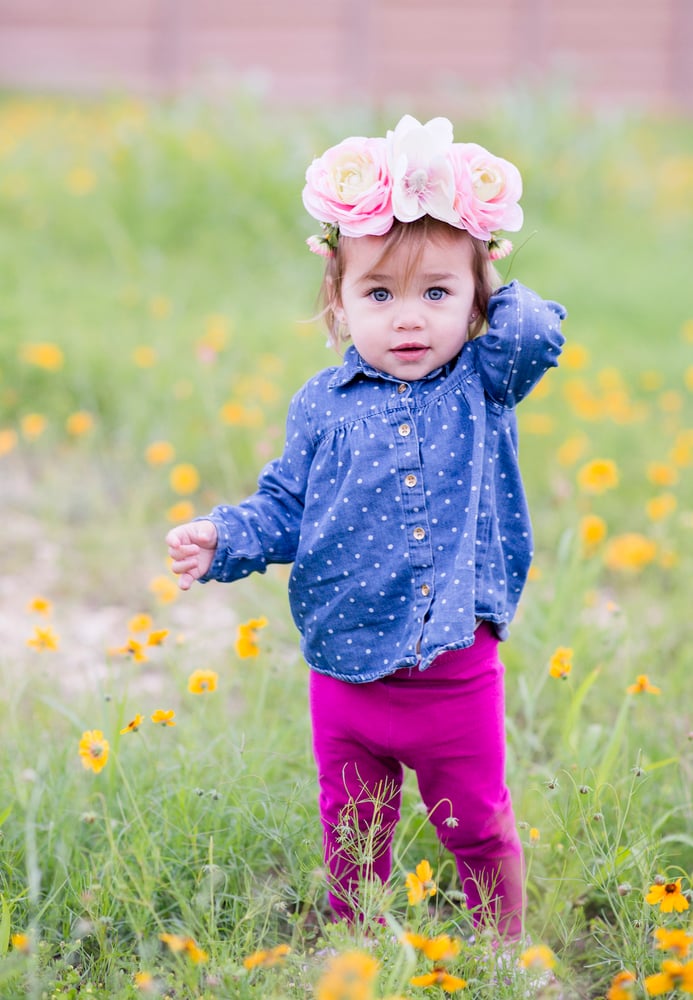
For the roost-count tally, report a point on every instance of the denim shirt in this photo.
(400, 504)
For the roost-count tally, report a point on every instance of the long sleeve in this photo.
(523, 340)
(265, 527)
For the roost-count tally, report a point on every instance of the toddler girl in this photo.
(399, 501)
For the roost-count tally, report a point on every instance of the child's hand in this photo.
(191, 547)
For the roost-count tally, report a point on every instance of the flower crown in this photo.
(360, 186)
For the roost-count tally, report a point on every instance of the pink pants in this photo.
(447, 725)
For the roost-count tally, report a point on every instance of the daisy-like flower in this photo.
(163, 717)
(350, 976)
(184, 478)
(676, 940)
(160, 453)
(622, 986)
(164, 589)
(673, 976)
(440, 977)
(442, 948)
(133, 648)
(45, 355)
(667, 896)
(157, 637)
(178, 944)
(43, 639)
(592, 530)
(266, 958)
(629, 552)
(539, 956)
(133, 725)
(146, 983)
(93, 750)
(598, 476)
(79, 423)
(534, 835)
(202, 681)
(246, 637)
(561, 662)
(420, 883)
(140, 623)
(21, 942)
(643, 686)
(40, 606)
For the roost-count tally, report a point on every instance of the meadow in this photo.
(159, 833)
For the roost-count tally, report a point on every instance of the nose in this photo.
(408, 315)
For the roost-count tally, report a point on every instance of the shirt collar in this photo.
(354, 365)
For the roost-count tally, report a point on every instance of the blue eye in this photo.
(435, 294)
(380, 294)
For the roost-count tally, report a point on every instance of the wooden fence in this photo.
(324, 51)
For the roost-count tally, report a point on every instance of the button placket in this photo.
(414, 507)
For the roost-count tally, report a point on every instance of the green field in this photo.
(156, 315)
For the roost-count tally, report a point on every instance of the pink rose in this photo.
(350, 186)
(488, 189)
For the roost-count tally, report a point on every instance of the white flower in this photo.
(423, 182)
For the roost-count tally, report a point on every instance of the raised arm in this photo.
(523, 340)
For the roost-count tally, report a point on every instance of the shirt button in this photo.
(410, 480)
(425, 590)
(402, 387)
(419, 533)
(404, 430)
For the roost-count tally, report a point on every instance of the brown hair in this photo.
(412, 236)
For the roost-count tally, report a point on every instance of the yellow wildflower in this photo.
(79, 423)
(40, 606)
(420, 883)
(202, 681)
(43, 355)
(667, 896)
(266, 958)
(157, 637)
(676, 940)
(164, 589)
(21, 942)
(160, 453)
(539, 956)
(246, 637)
(140, 623)
(575, 356)
(184, 478)
(8, 440)
(133, 725)
(178, 944)
(659, 507)
(534, 835)
(33, 425)
(181, 511)
(94, 750)
(643, 686)
(630, 552)
(43, 639)
(598, 476)
(131, 648)
(572, 449)
(144, 356)
(592, 531)
(439, 977)
(673, 976)
(662, 474)
(622, 986)
(561, 662)
(146, 983)
(163, 717)
(349, 976)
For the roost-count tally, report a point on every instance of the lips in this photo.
(413, 351)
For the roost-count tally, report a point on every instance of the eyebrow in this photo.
(432, 277)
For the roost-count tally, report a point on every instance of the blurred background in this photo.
(611, 52)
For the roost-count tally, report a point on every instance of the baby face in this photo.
(408, 321)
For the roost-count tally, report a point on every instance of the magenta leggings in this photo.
(447, 725)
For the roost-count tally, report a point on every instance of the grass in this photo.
(158, 248)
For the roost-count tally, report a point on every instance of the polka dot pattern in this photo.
(400, 504)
